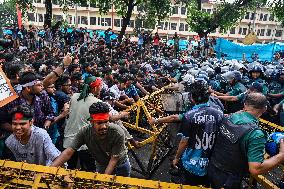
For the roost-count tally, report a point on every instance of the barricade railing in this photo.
(155, 135)
(20, 175)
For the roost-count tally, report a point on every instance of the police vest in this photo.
(227, 153)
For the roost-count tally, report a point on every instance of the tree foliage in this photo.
(152, 10)
(278, 10)
(224, 16)
(8, 14)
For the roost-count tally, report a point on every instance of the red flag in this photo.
(19, 13)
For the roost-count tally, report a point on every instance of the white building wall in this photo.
(105, 21)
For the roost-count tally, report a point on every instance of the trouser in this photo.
(123, 169)
(220, 179)
(194, 180)
(87, 162)
(156, 49)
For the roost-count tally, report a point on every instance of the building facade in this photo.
(88, 16)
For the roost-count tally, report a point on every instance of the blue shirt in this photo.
(131, 91)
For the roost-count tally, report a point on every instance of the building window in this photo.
(117, 23)
(232, 30)
(183, 10)
(181, 27)
(209, 11)
(203, 10)
(93, 20)
(84, 20)
(244, 31)
(278, 33)
(260, 16)
(268, 32)
(106, 22)
(175, 10)
(173, 26)
(262, 31)
(247, 15)
(131, 23)
(70, 20)
(240, 30)
(265, 17)
(40, 17)
(252, 16)
(166, 25)
(186, 27)
(31, 17)
(271, 18)
(57, 17)
(99, 20)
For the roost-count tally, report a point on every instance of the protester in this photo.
(199, 130)
(28, 142)
(105, 141)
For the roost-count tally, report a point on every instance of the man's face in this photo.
(76, 70)
(37, 88)
(21, 128)
(88, 69)
(66, 87)
(121, 86)
(51, 89)
(101, 127)
(255, 75)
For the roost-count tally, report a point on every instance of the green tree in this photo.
(278, 10)
(153, 10)
(8, 13)
(224, 16)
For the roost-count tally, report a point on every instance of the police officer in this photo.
(234, 78)
(239, 147)
(236, 87)
(256, 74)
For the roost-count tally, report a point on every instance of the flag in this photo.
(19, 14)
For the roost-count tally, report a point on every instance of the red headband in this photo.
(96, 83)
(100, 117)
(19, 116)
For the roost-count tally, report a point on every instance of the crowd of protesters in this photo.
(74, 89)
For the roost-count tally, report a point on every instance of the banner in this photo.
(238, 51)
(7, 92)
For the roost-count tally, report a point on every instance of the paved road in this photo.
(143, 154)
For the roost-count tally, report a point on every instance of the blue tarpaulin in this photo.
(182, 44)
(236, 51)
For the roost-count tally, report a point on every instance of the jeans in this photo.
(220, 179)
(123, 169)
(87, 162)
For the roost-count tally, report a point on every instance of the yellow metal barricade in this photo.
(19, 175)
(155, 135)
